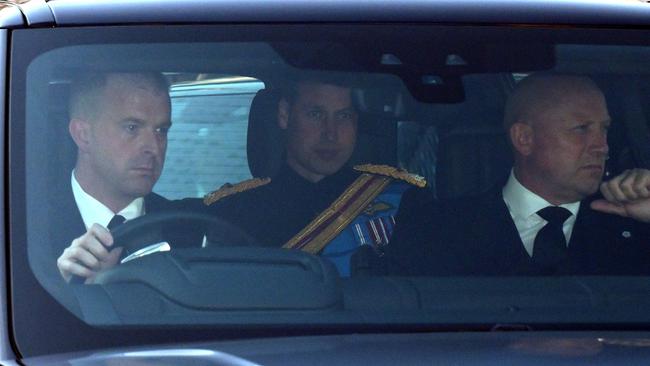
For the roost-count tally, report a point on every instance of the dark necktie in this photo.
(549, 248)
(116, 221)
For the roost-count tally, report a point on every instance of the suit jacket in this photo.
(60, 222)
(68, 224)
(477, 236)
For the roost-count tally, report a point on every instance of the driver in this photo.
(119, 122)
(316, 202)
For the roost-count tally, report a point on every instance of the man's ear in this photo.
(80, 132)
(283, 114)
(522, 138)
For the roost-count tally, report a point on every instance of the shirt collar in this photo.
(94, 212)
(523, 203)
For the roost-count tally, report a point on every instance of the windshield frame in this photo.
(26, 289)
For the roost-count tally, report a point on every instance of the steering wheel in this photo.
(181, 229)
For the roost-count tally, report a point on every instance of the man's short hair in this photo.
(289, 91)
(87, 88)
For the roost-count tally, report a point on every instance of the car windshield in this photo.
(311, 179)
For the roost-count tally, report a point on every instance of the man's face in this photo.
(321, 126)
(569, 147)
(129, 138)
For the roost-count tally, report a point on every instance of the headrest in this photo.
(472, 162)
(265, 142)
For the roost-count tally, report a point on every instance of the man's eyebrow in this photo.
(607, 122)
(591, 121)
(132, 120)
(347, 109)
(315, 106)
(144, 122)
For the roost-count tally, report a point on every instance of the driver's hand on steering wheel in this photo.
(89, 254)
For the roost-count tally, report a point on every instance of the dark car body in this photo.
(268, 314)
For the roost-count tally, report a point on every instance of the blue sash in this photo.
(374, 226)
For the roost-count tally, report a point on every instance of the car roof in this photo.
(39, 13)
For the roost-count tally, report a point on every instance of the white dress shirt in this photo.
(94, 212)
(523, 206)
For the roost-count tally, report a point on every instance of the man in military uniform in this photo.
(316, 202)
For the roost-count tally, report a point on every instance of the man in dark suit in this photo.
(545, 220)
(119, 122)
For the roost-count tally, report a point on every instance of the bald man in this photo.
(546, 219)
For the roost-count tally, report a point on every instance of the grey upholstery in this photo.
(472, 162)
(473, 152)
(265, 141)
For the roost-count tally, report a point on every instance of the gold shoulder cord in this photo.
(375, 178)
(230, 189)
(389, 171)
(315, 236)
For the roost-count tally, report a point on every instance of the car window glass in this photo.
(413, 111)
(207, 144)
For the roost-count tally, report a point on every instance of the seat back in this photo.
(472, 162)
(474, 155)
(265, 140)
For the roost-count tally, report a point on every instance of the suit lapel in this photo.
(500, 247)
(584, 229)
(606, 244)
(68, 225)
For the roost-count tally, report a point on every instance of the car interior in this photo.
(434, 111)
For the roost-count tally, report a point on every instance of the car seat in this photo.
(474, 155)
